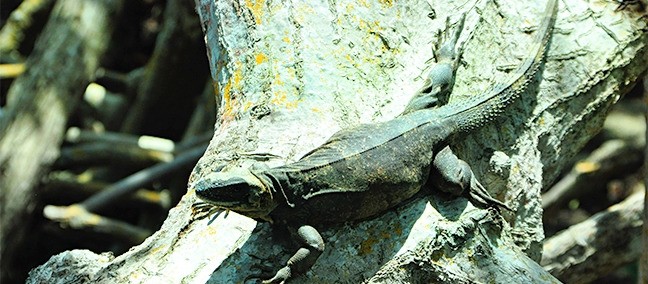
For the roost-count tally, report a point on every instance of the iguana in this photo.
(365, 170)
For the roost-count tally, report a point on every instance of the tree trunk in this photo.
(39, 103)
(604, 242)
(290, 74)
(643, 262)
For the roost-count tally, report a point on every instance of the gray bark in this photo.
(599, 245)
(39, 102)
(643, 262)
(292, 73)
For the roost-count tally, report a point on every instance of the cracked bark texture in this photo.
(289, 74)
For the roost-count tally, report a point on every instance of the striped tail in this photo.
(468, 116)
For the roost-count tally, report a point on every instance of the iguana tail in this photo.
(475, 113)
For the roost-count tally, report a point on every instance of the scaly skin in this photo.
(366, 170)
(440, 80)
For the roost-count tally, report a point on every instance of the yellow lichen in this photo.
(157, 249)
(398, 230)
(280, 98)
(387, 3)
(232, 86)
(292, 104)
(366, 246)
(227, 98)
(237, 76)
(256, 7)
(247, 105)
(349, 8)
(277, 79)
(362, 24)
(260, 58)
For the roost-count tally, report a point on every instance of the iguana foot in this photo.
(261, 271)
(479, 194)
(453, 175)
(312, 245)
(440, 79)
(266, 272)
(202, 210)
(281, 277)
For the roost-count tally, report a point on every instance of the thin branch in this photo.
(141, 178)
(106, 153)
(11, 70)
(145, 142)
(599, 245)
(77, 217)
(614, 157)
(12, 33)
(65, 187)
(118, 82)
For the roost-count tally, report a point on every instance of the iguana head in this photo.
(238, 190)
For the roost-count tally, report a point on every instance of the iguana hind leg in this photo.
(440, 80)
(453, 175)
(312, 245)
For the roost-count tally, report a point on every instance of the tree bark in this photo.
(643, 262)
(601, 244)
(178, 53)
(290, 74)
(39, 103)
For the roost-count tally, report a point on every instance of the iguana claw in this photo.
(453, 175)
(202, 210)
(479, 194)
(281, 276)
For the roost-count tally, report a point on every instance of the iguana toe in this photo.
(281, 276)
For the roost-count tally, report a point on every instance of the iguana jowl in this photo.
(363, 171)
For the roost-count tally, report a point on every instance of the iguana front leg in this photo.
(312, 245)
(453, 175)
(440, 80)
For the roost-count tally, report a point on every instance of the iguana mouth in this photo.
(225, 205)
(243, 209)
